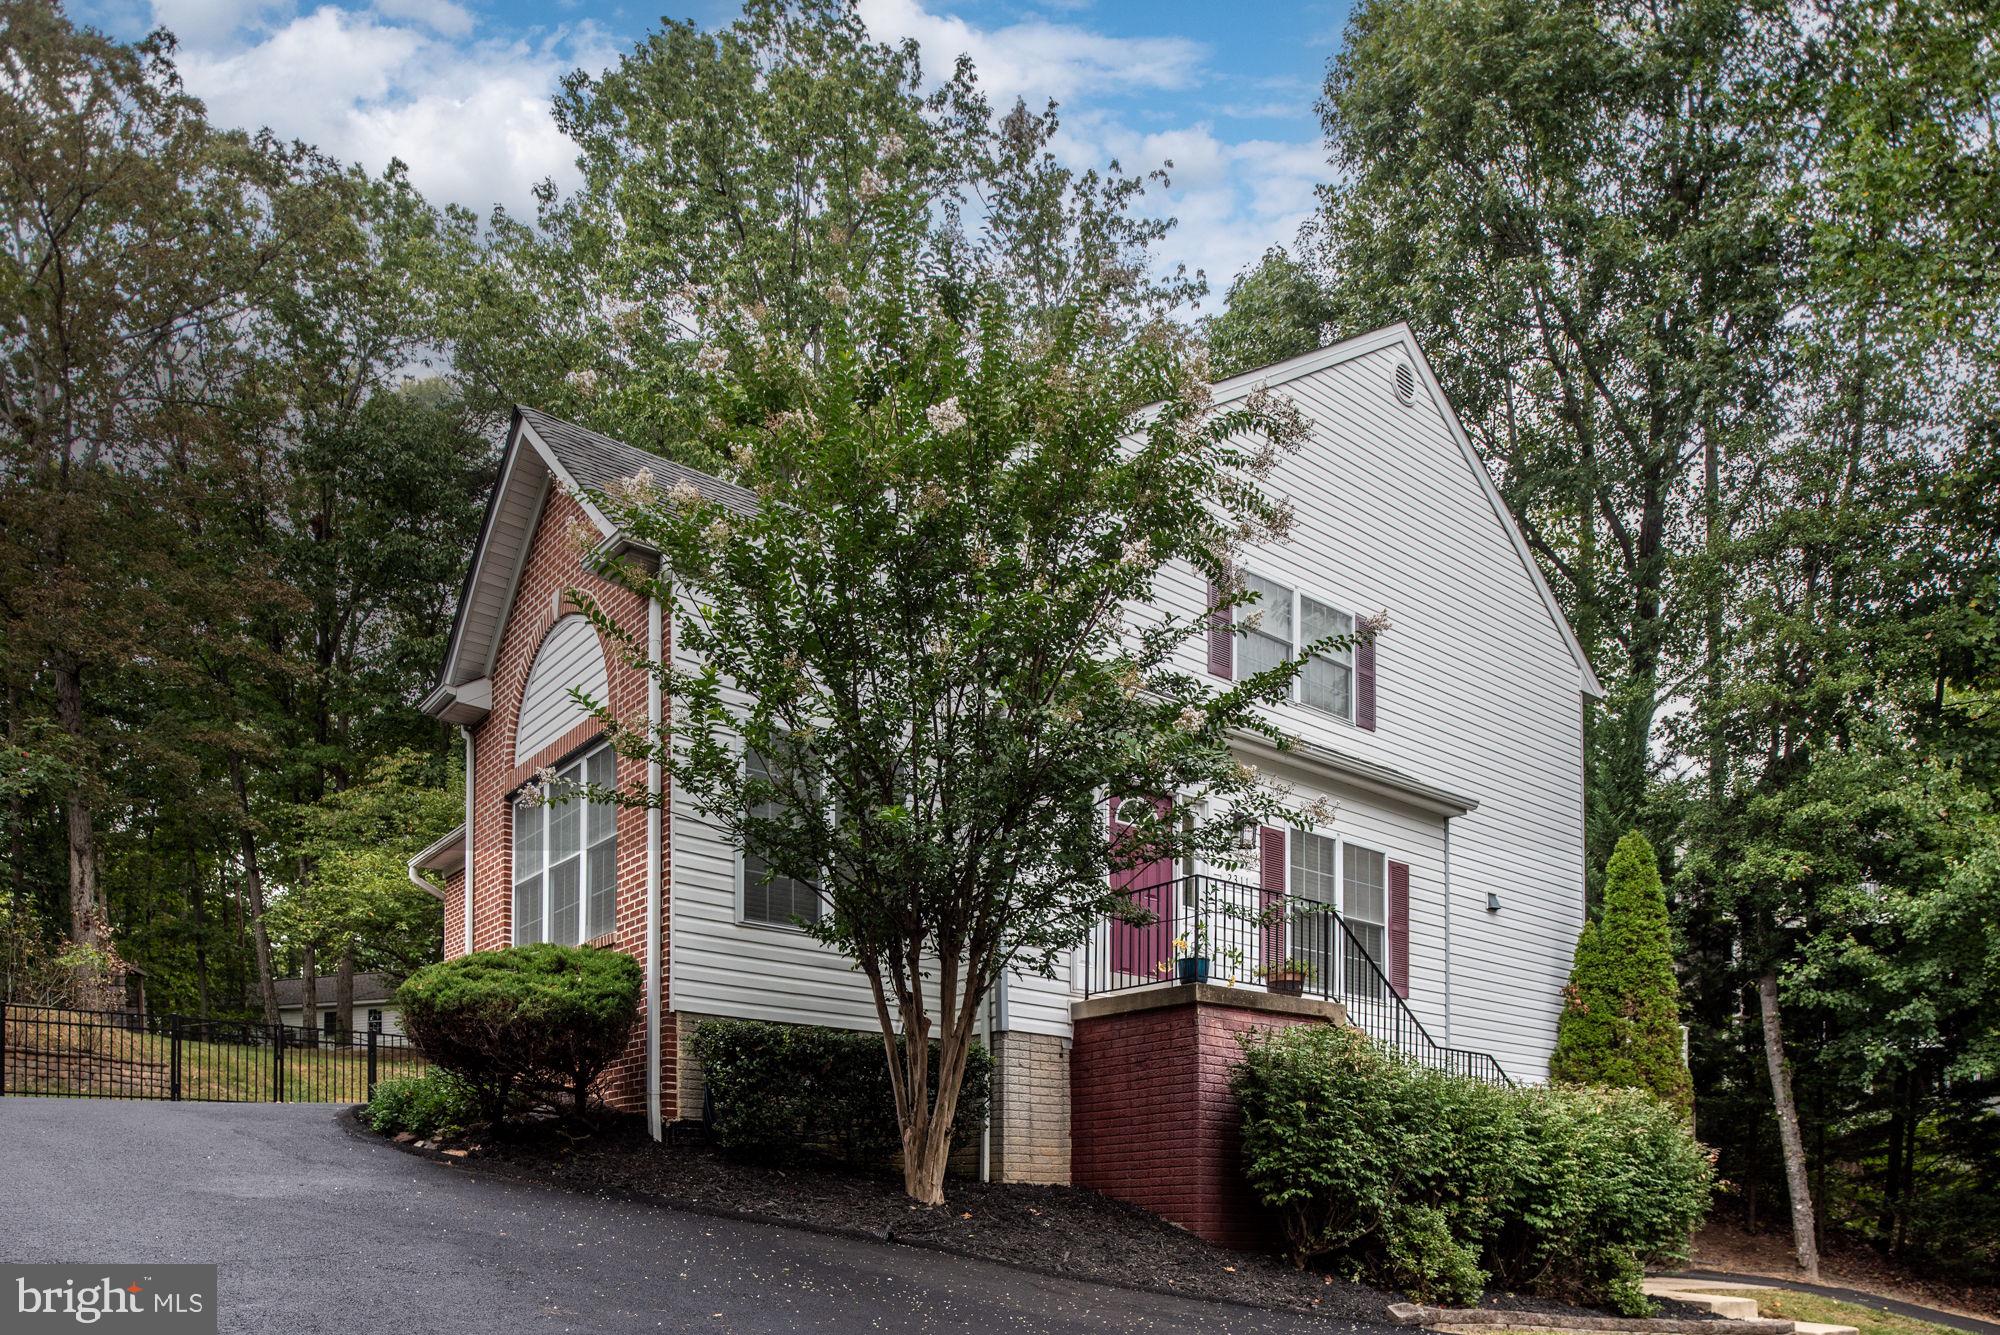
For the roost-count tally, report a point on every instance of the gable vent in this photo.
(1406, 384)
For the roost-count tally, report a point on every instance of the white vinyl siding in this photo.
(566, 857)
(570, 657)
(1479, 693)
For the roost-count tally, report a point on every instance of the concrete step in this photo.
(1696, 1293)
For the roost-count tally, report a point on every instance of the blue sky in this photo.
(459, 89)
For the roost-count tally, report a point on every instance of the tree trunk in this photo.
(199, 891)
(1804, 1235)
(308, 997)
(343, 995)
(89, 915)
(253, 884)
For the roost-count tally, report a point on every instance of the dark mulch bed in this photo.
(1068, 1232)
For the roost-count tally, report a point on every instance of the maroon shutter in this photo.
(1271, 881)
(1364, 685)
(1399, 928)
(1221, 638)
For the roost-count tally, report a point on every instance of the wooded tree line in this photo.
(1712, 286)
(1715, 287)
(229, 534)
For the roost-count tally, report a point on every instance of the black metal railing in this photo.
(52, 1051)
(1207, 929)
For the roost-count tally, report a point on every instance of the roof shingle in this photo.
(597, 462)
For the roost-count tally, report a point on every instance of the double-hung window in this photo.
(1286, 622)
(1327, 681)
(1267, 635)
(767, 897)
(1315, 895)
(566, 857)
(1365, 903)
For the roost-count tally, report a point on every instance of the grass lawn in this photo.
(1787, 1305)
(55, 1053)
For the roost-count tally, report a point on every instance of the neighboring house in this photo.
(1452, 748)
(374, 1004)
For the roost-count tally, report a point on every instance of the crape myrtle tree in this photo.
(936, 636)
(932, 650)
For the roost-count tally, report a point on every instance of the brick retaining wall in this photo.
(1153, 1120)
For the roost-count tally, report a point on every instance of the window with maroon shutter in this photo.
(1364, 685)
(1399, 928)
(1221, 638)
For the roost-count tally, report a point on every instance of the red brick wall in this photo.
(1153, 1121)
(553, 566)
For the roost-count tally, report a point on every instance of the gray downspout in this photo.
(470, 846)
(1447, 932)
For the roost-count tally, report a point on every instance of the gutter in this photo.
(431, 858)
(1367, 775)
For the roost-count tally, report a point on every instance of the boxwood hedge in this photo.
(1436, 1184)
(786, 1092)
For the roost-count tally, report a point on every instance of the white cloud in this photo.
(440, 16)
(470, 118)
(423, 81)
(1035, 58)
(205, 22)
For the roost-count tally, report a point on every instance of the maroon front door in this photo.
(1144, 948)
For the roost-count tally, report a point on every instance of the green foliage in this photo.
(1273, 310)
(920, 629)
(536, 1022)
(1433, 1183)
(783, 1092)
(772, 162)
(428, 1106)
(1620, 1022)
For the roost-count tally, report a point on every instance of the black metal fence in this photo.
(55, 1052)
(1206, 929)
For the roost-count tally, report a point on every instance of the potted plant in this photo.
(1288, 977)
(1191, 957)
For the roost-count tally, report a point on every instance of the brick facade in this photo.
(1031, 1110)
(554, 565)
(1153, 1121)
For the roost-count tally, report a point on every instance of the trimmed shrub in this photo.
(1621, 1023)
(535, 1024)
(789, 1092)
(436, 1103)
(1433, 1184)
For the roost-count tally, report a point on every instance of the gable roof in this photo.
(1401, 335)
(367, 987)
(541, 452)
(596, 461)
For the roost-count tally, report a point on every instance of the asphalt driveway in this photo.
(317, 1230)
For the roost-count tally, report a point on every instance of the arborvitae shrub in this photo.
(528, 1024)
(1433, 1183)
(788, 1092)
(1620, 1024)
